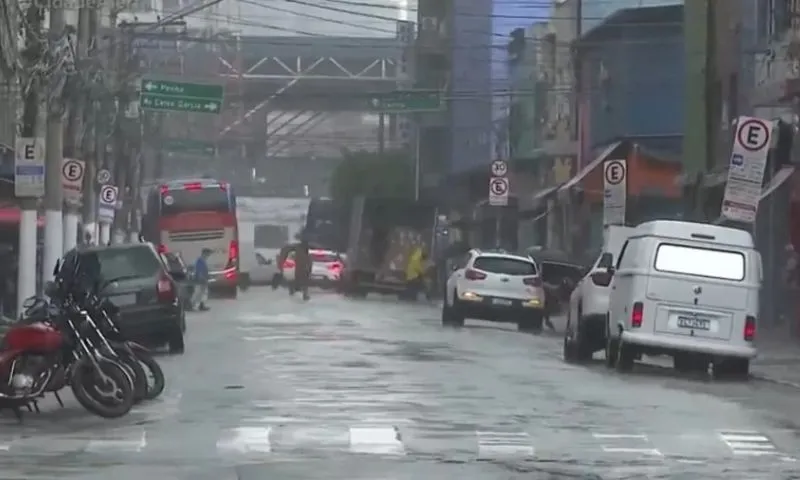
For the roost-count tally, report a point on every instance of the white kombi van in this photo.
(685, 289)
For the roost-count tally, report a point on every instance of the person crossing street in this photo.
(201, 278)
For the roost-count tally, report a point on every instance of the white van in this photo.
(685, 289)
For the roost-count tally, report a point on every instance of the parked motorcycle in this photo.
(105, 312)
(40, 355)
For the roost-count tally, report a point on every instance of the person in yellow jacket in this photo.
(416, 269)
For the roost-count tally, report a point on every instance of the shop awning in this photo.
(590, 167)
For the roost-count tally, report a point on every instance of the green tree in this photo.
(390, 174)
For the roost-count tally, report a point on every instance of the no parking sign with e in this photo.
(615, 191)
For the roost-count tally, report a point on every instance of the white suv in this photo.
(495, 286)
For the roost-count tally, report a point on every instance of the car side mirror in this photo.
(269, 261)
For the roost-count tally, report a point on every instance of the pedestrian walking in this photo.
(201, 277)
(302, 266)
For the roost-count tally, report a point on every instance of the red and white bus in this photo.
(186, 216)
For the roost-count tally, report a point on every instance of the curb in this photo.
(777, 381)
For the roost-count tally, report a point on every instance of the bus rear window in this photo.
(700, 262)
(211, 199)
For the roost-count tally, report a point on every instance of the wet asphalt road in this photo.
(274, 388)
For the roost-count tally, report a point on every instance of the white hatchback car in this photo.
(495, 286)
(585, 332)
(326, 267)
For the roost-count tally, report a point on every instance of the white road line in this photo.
(504, 444)
(752, 444)
(376, 440)
(136, 442)
(637, 438)
(246, 440)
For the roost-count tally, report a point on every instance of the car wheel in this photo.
(583, 350)
(625, 357)
(176, 345)
(732, 367)
(611, 348)
(244, 282)
(568, 350)
(452, 315)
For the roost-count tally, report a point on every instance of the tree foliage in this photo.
(390, 174)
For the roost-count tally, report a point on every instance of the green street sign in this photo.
(181, 97)
(407, 101)
(194, 147)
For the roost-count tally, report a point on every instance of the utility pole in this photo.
(26, 268)
(77, 129)
(701, 119)
(89, 141)
(54, 195)
(122, 154)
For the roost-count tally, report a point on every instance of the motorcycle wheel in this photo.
(137, 373)
(111, 399)
(148, 363)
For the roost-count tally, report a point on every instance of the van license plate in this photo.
(502, 301)
(695, 323)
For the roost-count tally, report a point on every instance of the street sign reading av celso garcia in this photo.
(180, 96)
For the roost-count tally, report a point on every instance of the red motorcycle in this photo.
(43, 356)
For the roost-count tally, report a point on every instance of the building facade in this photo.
(632, 75)
(470, 89)
(594, 13)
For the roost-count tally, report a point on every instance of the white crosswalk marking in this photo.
(246, 440)
(376, 440)
(126, 440)
(749, 443)
(624, 443)
(504, 444)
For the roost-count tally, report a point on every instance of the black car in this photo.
(179, 272)
(141, 286)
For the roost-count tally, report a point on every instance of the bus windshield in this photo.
(210, 199)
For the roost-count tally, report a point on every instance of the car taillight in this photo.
(474, 275)
(233, 253)
(601, 279)
(288, 264)
(637, 314)
(166, 292)
(532, 281)
(162, 248)
(335, 266)
(750, 328)
(193, 186)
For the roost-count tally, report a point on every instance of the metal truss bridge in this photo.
(311, 75)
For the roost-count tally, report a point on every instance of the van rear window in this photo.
(699, 261)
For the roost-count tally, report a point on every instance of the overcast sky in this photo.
(369, 18)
